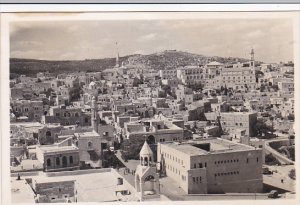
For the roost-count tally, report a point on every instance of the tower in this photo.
(146, 177)
(252, 61)
(117, 57)
(94, 115)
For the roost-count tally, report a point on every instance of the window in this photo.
(86, 120)
(57, 114)
(64, 161)
(90, 145)
(247, 160)
(71, 159)
(194, 180)
(257, 159)
(57, 161)
(205, 165)
(48, 162)
(195, 165)
(200, 165)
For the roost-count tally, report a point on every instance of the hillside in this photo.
(169, 59)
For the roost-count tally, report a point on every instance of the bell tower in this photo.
(146, 177)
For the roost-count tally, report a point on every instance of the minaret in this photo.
(94, 114)
(252, 61)
(117, 57)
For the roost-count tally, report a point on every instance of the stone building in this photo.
(212, 166)
(58, 157)
(90, 146)
(230, 121)
(67, 115)
(34, 110)
(54, 190)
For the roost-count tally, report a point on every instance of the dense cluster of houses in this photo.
(201, 120)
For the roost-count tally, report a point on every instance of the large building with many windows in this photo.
(238, 77)
(212, 166)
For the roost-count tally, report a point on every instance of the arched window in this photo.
(48, 162)
(90, 145)
(57, 161)
(64, 161)
(71, 159)
(148, 178)
(48, 133)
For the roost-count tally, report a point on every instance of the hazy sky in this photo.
(272, 39)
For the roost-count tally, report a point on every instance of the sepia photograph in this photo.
(157, 106)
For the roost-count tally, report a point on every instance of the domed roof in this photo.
(146, 150)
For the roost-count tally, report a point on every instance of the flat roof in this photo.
(21, 192)
(56, 148)
(217, 145)
(27, 124)
(87, 134)
(91, 187)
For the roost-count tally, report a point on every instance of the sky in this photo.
(272, 39)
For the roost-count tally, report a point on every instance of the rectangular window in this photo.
(247, 160)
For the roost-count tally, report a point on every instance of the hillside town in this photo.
(210, 131)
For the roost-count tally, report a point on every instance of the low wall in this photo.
(77, 172)
(34, 173)
(125, 182)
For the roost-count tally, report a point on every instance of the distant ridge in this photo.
(168, 59)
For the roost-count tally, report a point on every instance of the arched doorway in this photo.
(149, 185)
(151, 139)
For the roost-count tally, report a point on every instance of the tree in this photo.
(225, 90)
(271, 160)
(262, 129)
(292, 174)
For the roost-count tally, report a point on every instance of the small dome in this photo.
(146, 150)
